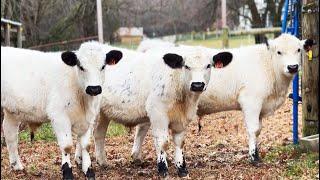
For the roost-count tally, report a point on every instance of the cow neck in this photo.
(89, 105)
(280, 83)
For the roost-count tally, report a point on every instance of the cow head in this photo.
(287, 51)
(89, 63)
(196, 67)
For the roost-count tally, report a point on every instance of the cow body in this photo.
(143, 90)
(38, 87)
(256, 82)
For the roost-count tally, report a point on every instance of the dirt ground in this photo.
(218, 152)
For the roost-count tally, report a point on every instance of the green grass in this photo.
(45, 132)
(116, 129)
(234, 42)
(127, 46)
(298, 163)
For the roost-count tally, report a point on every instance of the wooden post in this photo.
(224, 13)
(7, 28)
(225, 36)
(192, 35)
(310, 70)
(99, 21)
(19, 37)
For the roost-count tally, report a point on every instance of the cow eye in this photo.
(102, 68)
(209, 66)
(299, 50)
(81, 68)
(279, 52)
(187, 67)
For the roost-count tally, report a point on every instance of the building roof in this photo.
(130, 31)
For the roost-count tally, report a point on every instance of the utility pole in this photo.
(99, 21)
(225, 30)
(224, 13)
(310, 69)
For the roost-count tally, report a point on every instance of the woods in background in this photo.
(47, 21)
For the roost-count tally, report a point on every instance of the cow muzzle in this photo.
(197, 86)
(293, 68)
(93, 90)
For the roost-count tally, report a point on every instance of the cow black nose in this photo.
(197, 86)
(293, 68)
(93, 90)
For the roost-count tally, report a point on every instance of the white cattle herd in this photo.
(161, 85)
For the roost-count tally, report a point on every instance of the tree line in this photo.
(47, 21)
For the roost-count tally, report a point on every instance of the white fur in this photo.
(143, 87)
(38, 87)
(256, 82)
(147, 44)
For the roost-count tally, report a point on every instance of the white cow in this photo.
(38, 87)
(163, 87)
(256, 83)
(147, 44)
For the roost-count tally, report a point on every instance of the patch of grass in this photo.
(127, 46)
(234, 42)
(116, 129)
(298, 163)
(45, 132)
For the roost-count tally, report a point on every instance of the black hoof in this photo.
(255, 162)
(254, 158)
(79, 165)
(66, 172)
(162, 169)
(182, 170)
(90, 174)
(137, 162)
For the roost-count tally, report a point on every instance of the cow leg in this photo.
(251, 109)
(78, 153)
(178, 139)
(62, 128)
(86, 160)
(99, 139)
(11, 130)
(159, 126)
(141, 132)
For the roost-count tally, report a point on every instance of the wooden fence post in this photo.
(310, 70)
(7, 34)
(225, 37)
(19, 37)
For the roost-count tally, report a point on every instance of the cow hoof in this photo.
(66, 172)
(136, 162)
(90, 174)
(79, 164)
(254, 158)
(182, 172)
(256, 163)
(102, 164)
(16, 166)
(162, 169)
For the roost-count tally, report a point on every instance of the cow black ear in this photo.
(173, 60)
(222, 59)
(113, 57)
(70, 58)
(308, 43)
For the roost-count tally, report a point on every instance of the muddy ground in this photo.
(219, 151)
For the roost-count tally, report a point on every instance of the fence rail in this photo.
(225, 33)
(16, 27)
(73, 41)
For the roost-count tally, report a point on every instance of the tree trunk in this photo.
(310, 69)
